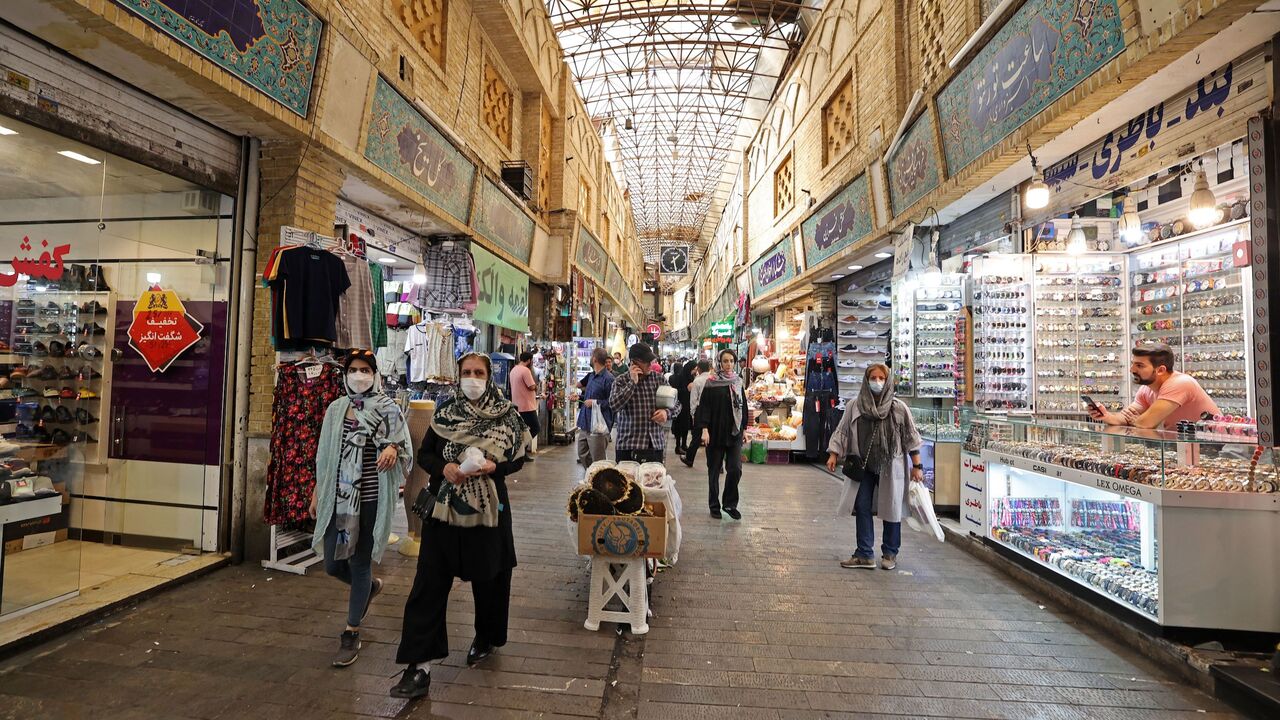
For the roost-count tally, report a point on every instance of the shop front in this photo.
(115, 312)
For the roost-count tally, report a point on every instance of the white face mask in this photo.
(473, 388)
(877, 386)
(359, 383)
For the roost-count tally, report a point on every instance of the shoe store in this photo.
(117, 214)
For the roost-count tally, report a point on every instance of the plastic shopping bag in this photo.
(472, 460)
(598, 425)
(848, 493)
(922, 517)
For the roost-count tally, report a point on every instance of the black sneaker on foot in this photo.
(479, 650)
(413, 683)
(687, 462)
(374, 591)
(733, 513)
(348, 649)
(716, 514)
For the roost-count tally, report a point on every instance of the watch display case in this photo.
(1190, 294)
(1151, 520)
(1081, 334)
(863, 329)
(1003, 325)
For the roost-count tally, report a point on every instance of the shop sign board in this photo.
(913, 167)
(655, 330)
(270, 44)
(403, 142)
(841, 221)
(902, 244)
(161, 329)
(774, 268)
(591, 257)
(503, 293)
(973, 493)
(617, 287)
(1044, 50)
(1154, 139)
(498, 218)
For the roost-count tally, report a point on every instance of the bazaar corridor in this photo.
(756, 621)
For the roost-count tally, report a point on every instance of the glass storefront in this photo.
(113, 342)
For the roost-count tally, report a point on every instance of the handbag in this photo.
(424, 504)
(855, 465)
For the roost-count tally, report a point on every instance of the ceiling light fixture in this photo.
(6, 131)
(78, 157)
(1204, 206)
(387, 260)
(419, 274)
(1076, 242)
(855, 267)
(1130, 227)
(882, 255)
(1037, 194)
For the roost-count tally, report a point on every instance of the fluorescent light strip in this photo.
(78, 157)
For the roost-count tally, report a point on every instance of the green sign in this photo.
(499, 219)
(503, 291)
(404, 143)
(724, 328)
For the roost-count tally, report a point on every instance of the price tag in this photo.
(311, 372)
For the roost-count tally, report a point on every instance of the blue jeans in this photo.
(357, 570)
(866, 529)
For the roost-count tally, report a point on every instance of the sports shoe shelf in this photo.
(863, 330)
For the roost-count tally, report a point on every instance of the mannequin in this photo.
(419, 420)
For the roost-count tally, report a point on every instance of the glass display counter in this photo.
(1164, 525)
(941, 430)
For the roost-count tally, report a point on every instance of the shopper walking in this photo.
(524, 393)
(467, 530)
(596, 386)
(702, 373)
(641, 425)
(877, 434)
(362, 459)
(721, 420)
(681, 377)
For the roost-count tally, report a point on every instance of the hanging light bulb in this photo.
(1204, 206)
(1130, 227)
(1037, 194)
(419, 274)
(1076, 241)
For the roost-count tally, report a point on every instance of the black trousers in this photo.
(425, 635)
(819, 423)
(692, 452)
(730, 458)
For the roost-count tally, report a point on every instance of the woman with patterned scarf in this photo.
(466, 532)
(362, 460)
(721, 420)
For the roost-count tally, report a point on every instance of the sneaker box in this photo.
(624, 535)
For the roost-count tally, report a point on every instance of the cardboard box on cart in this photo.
(624, 536)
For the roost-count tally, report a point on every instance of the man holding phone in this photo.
(1166, 397)
(642, 434)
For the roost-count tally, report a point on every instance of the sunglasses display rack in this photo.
(1003, 327)
(1081, 334)
(938, 309)
(863, 322)
(902, 349)
(64, 338)
(1190, 295)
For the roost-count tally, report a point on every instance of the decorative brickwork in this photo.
(495, 104)
(784, 189)
(427, 22)
(932, 61)
(544, 161)
(839, 122)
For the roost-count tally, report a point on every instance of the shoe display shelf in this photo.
(864, 322)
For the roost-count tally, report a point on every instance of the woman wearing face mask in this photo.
(362, 459)
(879, 433)
(467, 533)
(721, 420)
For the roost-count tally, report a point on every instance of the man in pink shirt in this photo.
(1166, 398)
(524, 393)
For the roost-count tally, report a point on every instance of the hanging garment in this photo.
(417, 346)
(306, 286)
(378, 319)
(820, 368)
(391, 358)
(820, 421)
(355, 306)
(464, 340)
(297, 413)
(450, 278)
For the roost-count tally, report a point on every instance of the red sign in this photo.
(655, 330)
(161, 329)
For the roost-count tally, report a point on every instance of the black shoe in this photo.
(374, 591)
(348, 649)
(63, 415)
(479, 651)
(414, 683)
(687, 462)
(716, 514)
(733, 513)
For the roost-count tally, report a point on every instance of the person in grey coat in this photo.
(879, 432)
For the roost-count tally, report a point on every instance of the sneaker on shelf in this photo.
(81, 436)
(64, 415)
(94, 329)
(66, 373)
(848, 379)
(845, 364)
(868, 304)
(885, 334)
(885, 304)
(84, 417)
(87, 394)
(60, 437)
(51, 392)
(849, 319)
(39, 349)
(849, 303)
(46, 414)
(53, 328)
(93, 308)
(88, 373)
(88, 351)
(57, 348)
(847, 348)
(46, 373)
(67, 394)
(871, 320)
(848, 333)
(868, 334)
(26, 303)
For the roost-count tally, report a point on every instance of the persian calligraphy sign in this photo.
(161, 329)
(1044, 50)
(270, 44)
(404, 143)
(503, 291)
(591, 258)
(841, 221)
(776, 266)
(913, 167)
(499, 219)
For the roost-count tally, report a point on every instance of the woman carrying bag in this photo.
(681, 376)
(875, 436)
(466, 530)
(361, 460)
(721, 420)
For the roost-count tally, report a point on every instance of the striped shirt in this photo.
(368, 483)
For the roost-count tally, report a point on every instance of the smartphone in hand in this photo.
(1095, 410)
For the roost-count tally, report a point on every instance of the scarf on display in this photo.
(886, 436)
(378, 422)
(732, 381)
(491, 424)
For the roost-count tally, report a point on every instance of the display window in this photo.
(114, 285)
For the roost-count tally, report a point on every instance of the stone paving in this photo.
(757, 621)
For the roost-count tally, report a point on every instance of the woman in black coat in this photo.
(683, 423)
(721, 420)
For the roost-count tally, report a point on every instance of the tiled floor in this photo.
(756, 621)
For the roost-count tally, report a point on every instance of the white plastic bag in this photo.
(472, 461)
(922, 517)
(849, 493)
(598, 425)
